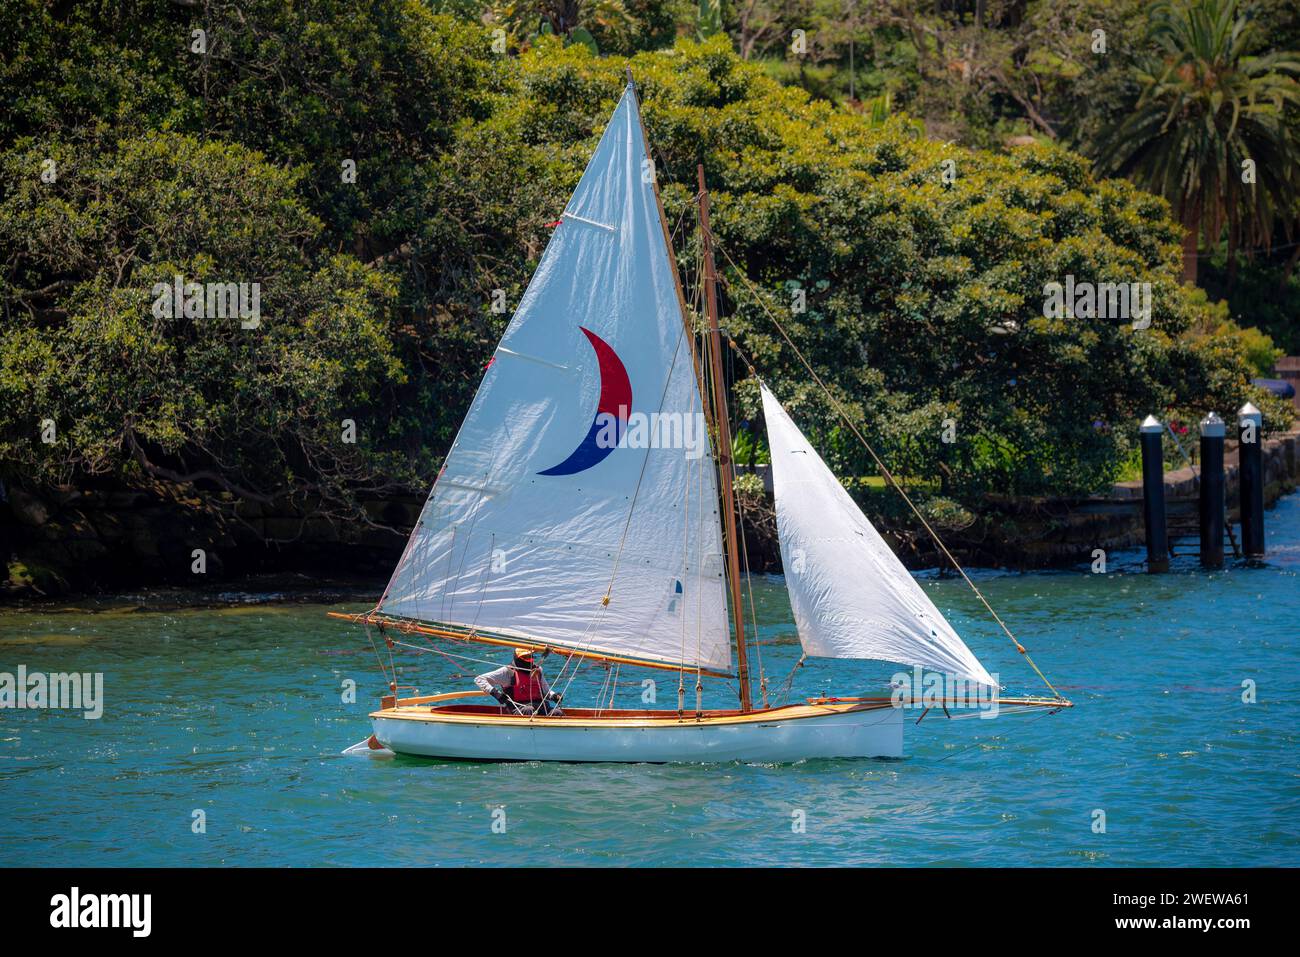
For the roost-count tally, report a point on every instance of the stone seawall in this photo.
(1027, 533)
(1114, 521)
(70, 541)
(78, 540)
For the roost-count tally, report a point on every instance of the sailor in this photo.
(520, 686)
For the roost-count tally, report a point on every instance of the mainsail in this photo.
(852, 597)
(578, 505)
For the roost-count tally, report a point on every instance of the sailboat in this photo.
(586, 509)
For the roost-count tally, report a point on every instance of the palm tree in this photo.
(1206, 108)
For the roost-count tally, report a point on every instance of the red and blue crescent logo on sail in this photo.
(615, 402)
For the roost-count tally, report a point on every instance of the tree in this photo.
(922, 298)
(382, 304)
(610, 26)
(135, 393)
(1211, 130)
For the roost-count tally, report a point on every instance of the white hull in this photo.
(787, 734)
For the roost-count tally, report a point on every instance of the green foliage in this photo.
(747, 448)
(172, 162)
(137, 396)
(1258, 349)
(709, 19)
(924, 300)
(610, 26)
(924, 295)
(1207, 111)
(749, 488)
(1263, 293)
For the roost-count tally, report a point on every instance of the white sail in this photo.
(852, 597)
(536, 515)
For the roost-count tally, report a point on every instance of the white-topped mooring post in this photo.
(1250, 479)
(1212, 433)
(1153, 494)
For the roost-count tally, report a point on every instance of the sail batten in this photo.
(577, 505)
(851, 596)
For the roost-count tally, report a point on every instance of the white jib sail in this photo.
(852, 597)
(536, 513)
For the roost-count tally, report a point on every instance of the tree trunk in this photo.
(1234, 236)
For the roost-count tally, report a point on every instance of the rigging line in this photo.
(613, 690)
(559, 675)
(744, 547)
(789, 680)
(686, 552)
(380, 661)
(645, 461)
(889, 477)
(487, 572)
(581, 643)
(699, 592)
(618, 555)
(410, 541)
(439, 651)
(703, 370)
(388, 642)
(469, 534)
(450, 656)
(600, 695)
(681, 221)
(705, 462)
(451, 551)
(1264, 250)
(753, 612)
(749, 583)
(979, 744)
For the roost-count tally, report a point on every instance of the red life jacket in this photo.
(527, 687)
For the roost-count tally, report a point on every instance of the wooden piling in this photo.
(1250, 459)
(1212, 434)
(1153, 494)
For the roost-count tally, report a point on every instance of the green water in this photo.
(238, 712)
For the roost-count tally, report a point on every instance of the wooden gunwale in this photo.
(417, 709)
(585, 717)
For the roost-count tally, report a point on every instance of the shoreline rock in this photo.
(83, 542)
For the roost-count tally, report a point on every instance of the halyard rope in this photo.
(839, 409)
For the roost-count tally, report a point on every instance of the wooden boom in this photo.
(505, 641)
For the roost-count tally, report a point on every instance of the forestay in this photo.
(537, 513)
(852, 597)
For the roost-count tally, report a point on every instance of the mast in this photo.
(719, 418)
(723, 425)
